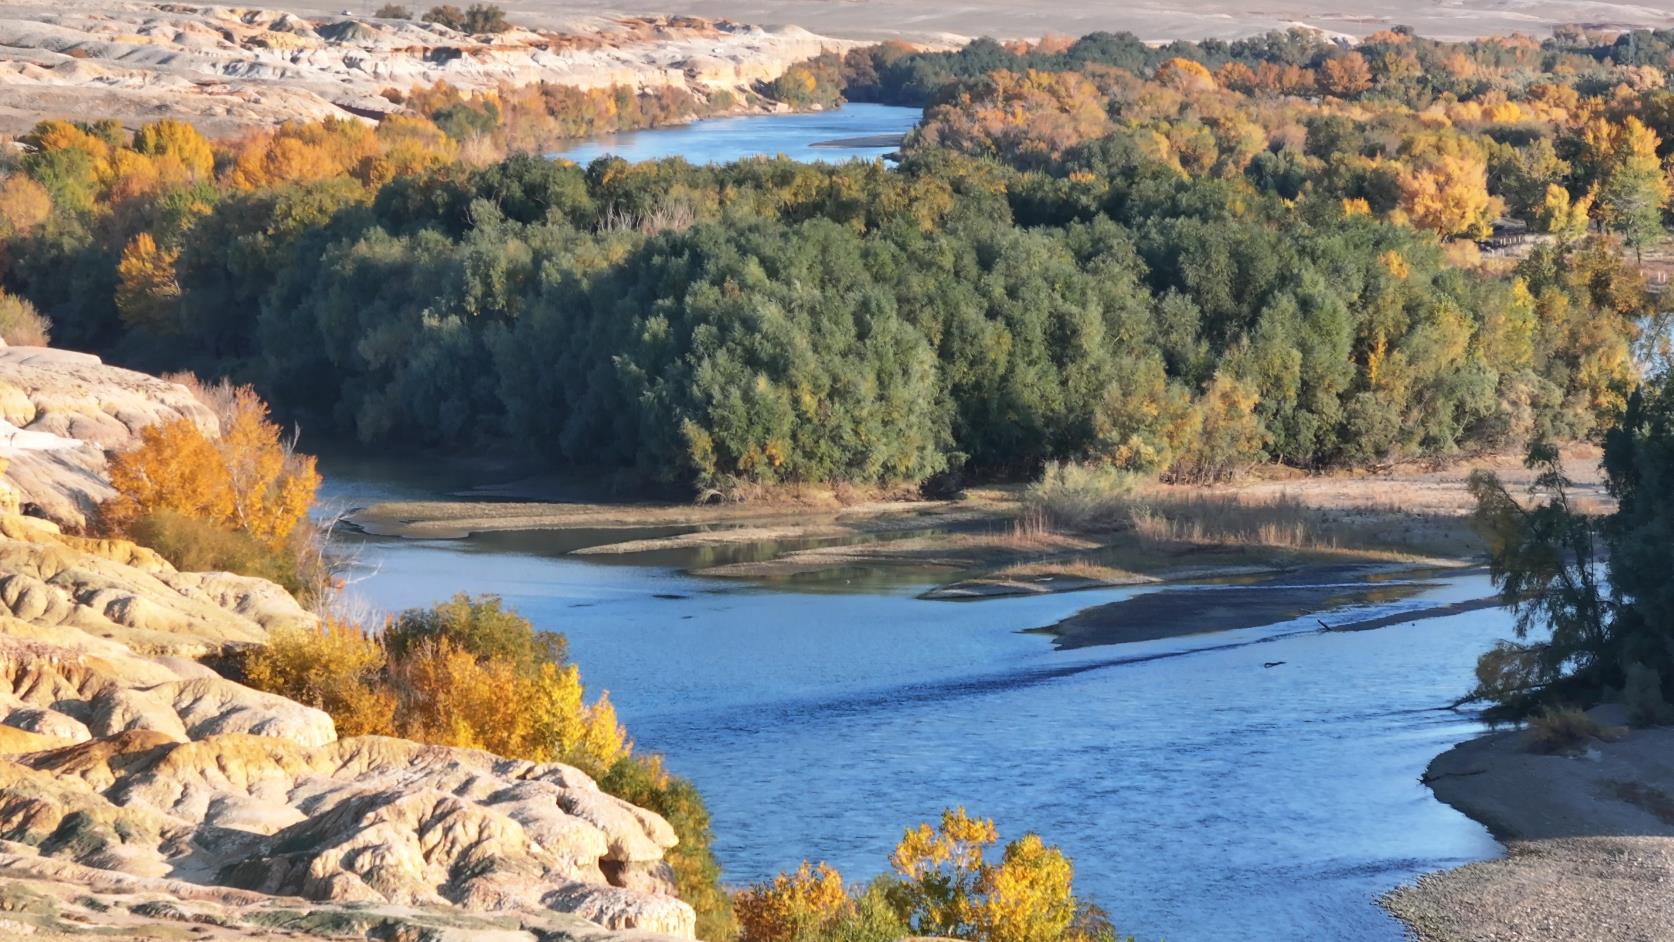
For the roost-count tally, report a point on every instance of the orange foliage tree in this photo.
(247, 479)
(790, 904)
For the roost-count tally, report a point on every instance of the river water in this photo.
(799, 136)
(1203, 796)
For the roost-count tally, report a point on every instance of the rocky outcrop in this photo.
(61, 411)
(230, 67)
(120, 754)
(143, 793)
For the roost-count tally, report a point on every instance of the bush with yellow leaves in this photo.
(791, 904)
(944, 885)
(336, 667)
(235, 502)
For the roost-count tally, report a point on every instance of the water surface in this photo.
(718, 140)
(1203, 796)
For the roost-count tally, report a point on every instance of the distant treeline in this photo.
(1181, 261)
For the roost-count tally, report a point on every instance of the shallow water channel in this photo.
(1204, 796)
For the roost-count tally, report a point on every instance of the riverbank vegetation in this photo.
(1598, 582)
(469, 672)
(1179, 262)
(234, 497)
(946, 883)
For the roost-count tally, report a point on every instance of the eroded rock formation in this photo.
(230, 67)
(140, 791)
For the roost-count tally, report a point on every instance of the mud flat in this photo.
(1589, 842)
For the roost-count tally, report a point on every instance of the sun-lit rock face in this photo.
(152, 766)
(61, 411)
(141, 790)
(228, 68)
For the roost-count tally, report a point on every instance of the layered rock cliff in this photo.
(230, 67)
(142, 794)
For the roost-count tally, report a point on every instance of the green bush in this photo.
(1077, 495)
(642, 780)
(195, 545)
(1565, 731)
(21, 325)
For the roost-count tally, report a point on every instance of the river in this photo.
(1203, 796)
(807, 136)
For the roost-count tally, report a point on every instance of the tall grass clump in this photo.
(20, 324)
(1074, 495)
(1283, 521)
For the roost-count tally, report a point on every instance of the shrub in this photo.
(480, 18)
(393, 11)
(944, 886)
(643, 781)
(1564, 730)
(791, 905)
(949, 888)
(480, 626)
(21, 325)
(1642, 695)
(248, 480)
(336, 667)
(1080, 495)
(193, 544)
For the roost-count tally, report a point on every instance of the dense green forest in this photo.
(1182, 260)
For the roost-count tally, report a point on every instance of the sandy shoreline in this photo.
(1589, 843)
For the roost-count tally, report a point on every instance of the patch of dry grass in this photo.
(1567, 731)
(1088, 569)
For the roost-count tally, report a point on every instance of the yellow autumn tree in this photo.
(24, 204)
(147, 293)
(1632, 188)
(790, 905)
(1345, 75)
(178, 140)
(1230, 436)
(949, 887)
(1446, 192)
(1563, 217)
(246, 480)
(1185, 75)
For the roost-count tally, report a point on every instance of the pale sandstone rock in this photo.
(229, 69)
(63, 411)
(129, 769)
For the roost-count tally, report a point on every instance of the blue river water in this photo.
(798, 136)
(1203, 796)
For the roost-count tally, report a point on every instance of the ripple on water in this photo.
(1203, 797)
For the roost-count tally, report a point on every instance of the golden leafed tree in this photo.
(179, 140)
(950, 888)
(1345, 75)
(791, 905)
(246, 480)
(147, 293)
